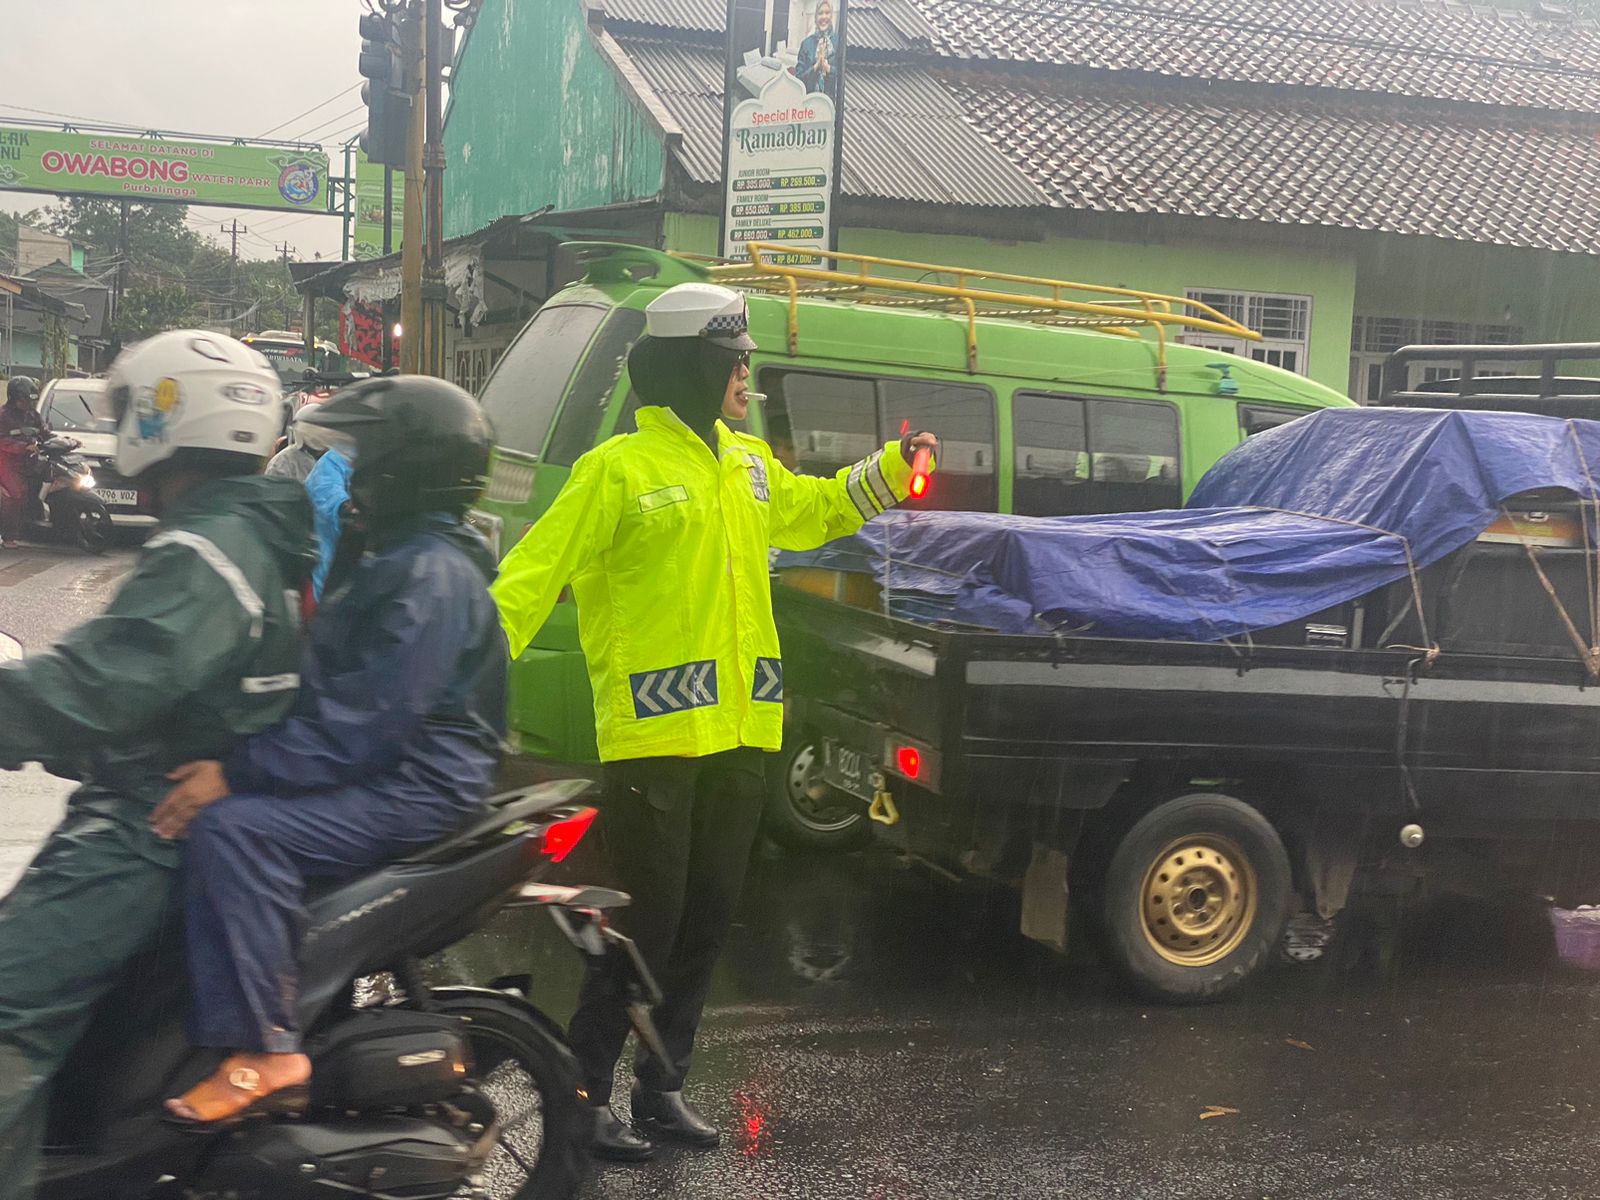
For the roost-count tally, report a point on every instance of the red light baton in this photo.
(919, 465)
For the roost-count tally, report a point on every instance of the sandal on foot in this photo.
(234, 1095)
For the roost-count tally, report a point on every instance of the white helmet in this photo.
(705, 310)
(192, 390)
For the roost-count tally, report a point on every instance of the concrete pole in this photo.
(411, 337)
(433, 285)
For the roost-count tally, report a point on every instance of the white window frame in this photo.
(1258, 351)
(1363, 358)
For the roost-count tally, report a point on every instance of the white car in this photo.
(81, 408)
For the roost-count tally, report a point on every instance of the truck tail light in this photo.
(908, 760)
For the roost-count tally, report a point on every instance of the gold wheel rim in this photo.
(1198, 900)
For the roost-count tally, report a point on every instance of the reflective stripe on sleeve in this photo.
(224, 566)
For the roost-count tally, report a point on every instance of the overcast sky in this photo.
(236, 68)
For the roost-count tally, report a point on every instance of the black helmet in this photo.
(417, 444)
(21, 389)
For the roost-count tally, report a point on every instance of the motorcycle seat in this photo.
(521, 804)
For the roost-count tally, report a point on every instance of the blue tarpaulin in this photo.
(1296, 520)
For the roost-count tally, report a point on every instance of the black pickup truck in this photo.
(1195, 796)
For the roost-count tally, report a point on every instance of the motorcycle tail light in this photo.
(562, 837)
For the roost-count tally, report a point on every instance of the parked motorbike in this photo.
(417, 1091)
(61, 501)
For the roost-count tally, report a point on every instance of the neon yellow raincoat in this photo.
(666, 551)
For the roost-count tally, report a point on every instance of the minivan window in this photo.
(1258, 418)
(530, 379)
(1077, 456)
(963, 417)
(592, 388)
(818, 423)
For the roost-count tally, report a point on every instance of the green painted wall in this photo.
(1158, 267)
(538, 118)
(1550, 297)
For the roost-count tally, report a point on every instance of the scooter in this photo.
(418, 1091)
(61, 500)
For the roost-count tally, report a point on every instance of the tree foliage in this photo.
(173, 275)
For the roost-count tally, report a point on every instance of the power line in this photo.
(310, 110)
(331, 121)
(45, 112)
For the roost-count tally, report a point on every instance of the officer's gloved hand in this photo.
(912, 442)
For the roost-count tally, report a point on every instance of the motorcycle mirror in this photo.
(10, 648)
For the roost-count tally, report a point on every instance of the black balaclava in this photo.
(689, 375)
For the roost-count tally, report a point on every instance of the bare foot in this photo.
(245, 1084)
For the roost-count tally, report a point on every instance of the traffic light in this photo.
(385, 95)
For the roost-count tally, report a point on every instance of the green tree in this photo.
(158, 240)
(149, 308)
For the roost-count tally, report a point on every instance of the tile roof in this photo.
(1003, 141)
(1349, 166)
(1418, 48)
(1424, 49)
(882, 25)
(906, 137)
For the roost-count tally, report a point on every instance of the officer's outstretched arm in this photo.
(576, 529)
(808, 510)
(171, 630)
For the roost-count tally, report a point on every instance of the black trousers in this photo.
(679, 833)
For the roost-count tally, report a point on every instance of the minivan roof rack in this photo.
(897, 283)
(1543, 392)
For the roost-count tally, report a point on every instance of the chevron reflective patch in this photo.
(674, 689)
(769, 680)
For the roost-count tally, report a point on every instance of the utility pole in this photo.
(123, 251)
(233, 271)
(417, 68)
(433, 285)
(386, 310)
(285, 250)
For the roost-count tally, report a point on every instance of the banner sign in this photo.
(144, 169)
(782, 119)
(368, 237)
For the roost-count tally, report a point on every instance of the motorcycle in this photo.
(61, 500)
(418, 1091)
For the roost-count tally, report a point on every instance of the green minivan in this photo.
(1045, 406)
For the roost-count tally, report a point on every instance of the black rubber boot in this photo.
(616, 1141)
(670, 1115)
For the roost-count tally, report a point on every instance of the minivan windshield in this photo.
(531, 377)
(83, 409)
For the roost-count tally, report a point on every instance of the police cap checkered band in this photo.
(726, 323)
(706, 310)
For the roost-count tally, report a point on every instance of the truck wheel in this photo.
(1195, 898)
(803, 813)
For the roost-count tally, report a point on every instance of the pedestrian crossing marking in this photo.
(674, 689)
(768, 684)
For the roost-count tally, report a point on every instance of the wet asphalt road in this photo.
(876, 1032)
(45, 590)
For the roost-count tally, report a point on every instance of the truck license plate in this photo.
(846, 769)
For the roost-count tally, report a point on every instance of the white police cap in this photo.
(705, 310)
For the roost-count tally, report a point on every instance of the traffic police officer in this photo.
(663, 535)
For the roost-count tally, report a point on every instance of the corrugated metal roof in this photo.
(905, 137)
(701, 16)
